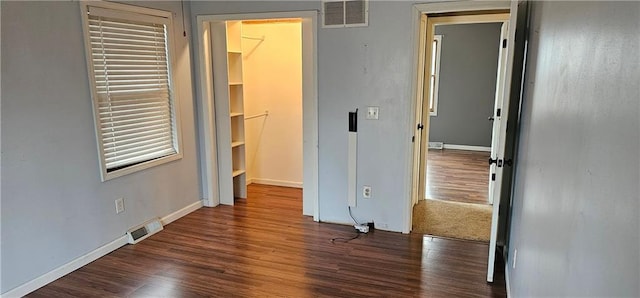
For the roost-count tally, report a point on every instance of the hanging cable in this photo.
(333, 240)
(354, 220)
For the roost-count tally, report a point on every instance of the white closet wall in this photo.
(272, 76)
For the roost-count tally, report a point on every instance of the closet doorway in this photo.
(259, 99)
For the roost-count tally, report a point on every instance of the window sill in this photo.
(106, 176)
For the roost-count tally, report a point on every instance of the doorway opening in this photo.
(259, 107)
(464, 93)
(427, 16)
(264, 66)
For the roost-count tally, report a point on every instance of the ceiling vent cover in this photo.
(346, 13)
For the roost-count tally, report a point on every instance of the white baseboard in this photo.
(65, 269)
(467, 147)
(75, 264)
(275, 182)
(167, 219)
(436, 145)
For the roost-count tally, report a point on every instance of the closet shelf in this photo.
(235, 83)
(234, 52)
(234, 114)
(237, 173)
(236, 144)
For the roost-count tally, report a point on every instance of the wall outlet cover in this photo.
(366, 192)
(119, 205)
(373, 113)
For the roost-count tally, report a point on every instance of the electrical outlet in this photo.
(119, 205)
(372, 113)
(515, 258)
(366, 192)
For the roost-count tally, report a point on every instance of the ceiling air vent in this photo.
(349, 13)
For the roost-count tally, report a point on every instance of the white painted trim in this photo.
(310, 153)
(259, 16)
(506, 279)
(275, 182)
(502, 135)
(418, 24)
(209, 168)
(99, 252)
(352, 157)
(467, 147)
(171, 217)
(457, 6)
(65, 269)
(309, 102)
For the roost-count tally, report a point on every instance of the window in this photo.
(129, 64)
(434, 80)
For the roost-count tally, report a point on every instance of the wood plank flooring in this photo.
(264, 247)
(458, 175)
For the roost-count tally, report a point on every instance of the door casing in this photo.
(206, 96)
(421, 51)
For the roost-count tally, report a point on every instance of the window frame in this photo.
(146, 13)
(435, 75)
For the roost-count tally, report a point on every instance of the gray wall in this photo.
(467, 88)
(54, 207)
(576, 207)
(358, 67)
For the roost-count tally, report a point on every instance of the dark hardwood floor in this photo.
(264, 247)
(458, 175)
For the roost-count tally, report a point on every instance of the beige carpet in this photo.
(452, 219)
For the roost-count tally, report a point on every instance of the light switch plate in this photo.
(372, 113)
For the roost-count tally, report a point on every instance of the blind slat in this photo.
(124, 133)
(117, 163)
(134, 155)
(125, 127)
(127, 151)
(131, 75)
(113, 140)
(134, 140)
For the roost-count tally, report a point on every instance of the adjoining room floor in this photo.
(263, 246)
(458, 175)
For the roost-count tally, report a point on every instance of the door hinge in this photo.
(413, 139)
(498, 112)
(493, 176)
(420, 126)
(504, 43)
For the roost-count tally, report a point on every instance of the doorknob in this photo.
(508, 162)
(490, 118)
(492, 161)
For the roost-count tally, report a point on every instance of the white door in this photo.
(498, 146)
(498, 118)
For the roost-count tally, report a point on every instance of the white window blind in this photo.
(133, 91)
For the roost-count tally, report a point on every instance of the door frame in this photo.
(209, 163)
(421, 117)
(429, 34)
